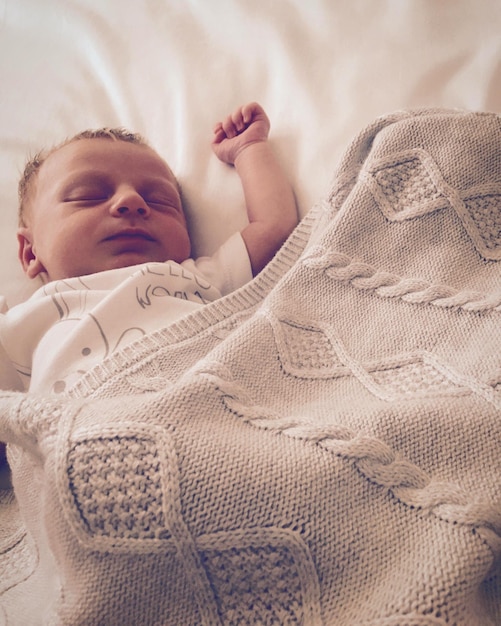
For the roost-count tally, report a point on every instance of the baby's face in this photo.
(99, 204)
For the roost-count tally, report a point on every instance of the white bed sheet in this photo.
(171, 68)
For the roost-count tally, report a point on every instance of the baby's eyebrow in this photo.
(160, 180)
(160, 184)
(91, 176)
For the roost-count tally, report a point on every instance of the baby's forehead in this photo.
(90, 159)
(98, 152)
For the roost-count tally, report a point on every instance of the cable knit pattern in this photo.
(363, 276)
(321, 447)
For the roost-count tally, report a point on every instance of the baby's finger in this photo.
(219, 135)
(248, 113)
(251, 110)
(229, 127)
(238, 120)
(218, 129)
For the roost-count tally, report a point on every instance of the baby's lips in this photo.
(130, 233)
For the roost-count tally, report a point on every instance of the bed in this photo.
(323, 446)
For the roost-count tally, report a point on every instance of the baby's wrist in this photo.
(252, 149)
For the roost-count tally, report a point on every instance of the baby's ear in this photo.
(32, 266)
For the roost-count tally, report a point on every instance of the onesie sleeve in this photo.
(229, 267)
(9, 377)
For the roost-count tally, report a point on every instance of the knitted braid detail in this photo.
(339, 266)
(373, 458)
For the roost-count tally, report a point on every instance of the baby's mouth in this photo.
(130, 234)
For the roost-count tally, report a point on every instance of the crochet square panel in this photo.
(306, 352)
(406, 188)
(416, 378)
(406, 184)
(116, 486)
(261, 582)
(262, 576)
(482, 220)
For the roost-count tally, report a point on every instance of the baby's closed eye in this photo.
(162, 197)
(87, 189)
(87, 194)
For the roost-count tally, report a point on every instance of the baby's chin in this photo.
(130, 259)
(122, 261)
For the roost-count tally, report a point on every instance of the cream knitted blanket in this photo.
(321, 447)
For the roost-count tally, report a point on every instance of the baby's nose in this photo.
(129, 202)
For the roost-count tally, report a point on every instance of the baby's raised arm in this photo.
(241, 140)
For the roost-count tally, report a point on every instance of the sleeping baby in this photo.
(102, 222)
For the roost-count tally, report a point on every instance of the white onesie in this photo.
(68, 326)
